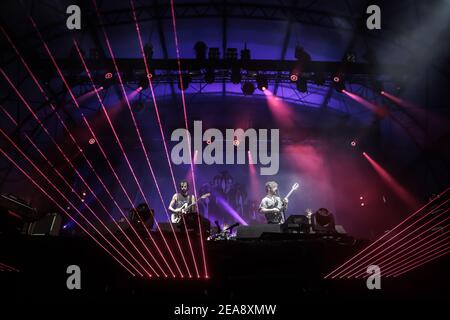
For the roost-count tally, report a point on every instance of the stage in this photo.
(185, 152)
(241, 270)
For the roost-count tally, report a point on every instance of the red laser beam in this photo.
(177, 48)
(93, 134)
(65, 198)
(425, 255)
(147, 71)
(404, 194)
(57, 145)
(119, 142)
(413, 257)
(63, 210)
(404, 253)
(426, 260)
(93, 213)
(144, 150)
(349, 272)
(8, 115)
(8, 267)
(344, 266)
(411, 248)
(402, 238)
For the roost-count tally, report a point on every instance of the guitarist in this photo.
(272, 205)
(180, 199)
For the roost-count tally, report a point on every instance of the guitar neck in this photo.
(289, 194)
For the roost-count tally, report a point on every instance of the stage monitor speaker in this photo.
(48, 225)
(340, 229)
(255, 232)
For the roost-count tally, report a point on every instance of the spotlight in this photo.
(236, 142)
(186, 80)
(208, 141)
(84, 194)
(248, 88)
(360, 198)
(209, 76)
(338, 83)
(302, 85)
(293, 77)
(143, 84)
(91, 141)
(362, 204)
(261, 82)
(108, 75)
(353, 143)
(200, 50)
(236, 75)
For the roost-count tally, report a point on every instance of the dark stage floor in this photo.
(250, 269)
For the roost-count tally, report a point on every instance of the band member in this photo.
(272, 206)
(180, 201)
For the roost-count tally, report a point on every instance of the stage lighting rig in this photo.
(248, 88)
(261, 82)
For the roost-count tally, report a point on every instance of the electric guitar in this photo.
(279, 217)
(176, 216)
